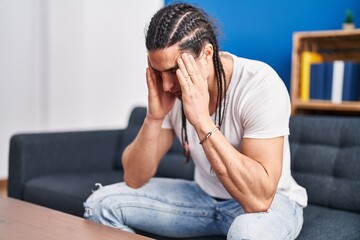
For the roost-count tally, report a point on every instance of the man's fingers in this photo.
(151, 81)
(184, 81)
(191, 67)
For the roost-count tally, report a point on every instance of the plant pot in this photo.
(348, 26)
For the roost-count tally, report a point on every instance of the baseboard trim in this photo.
(3, 182)
(3, 187)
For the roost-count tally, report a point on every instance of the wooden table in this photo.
(23, 220)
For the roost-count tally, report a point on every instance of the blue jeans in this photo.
(179, 208)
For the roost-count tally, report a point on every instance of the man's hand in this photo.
(159, 101)
(194, 86)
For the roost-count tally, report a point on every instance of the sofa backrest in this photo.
(325, 152)
(173, 165)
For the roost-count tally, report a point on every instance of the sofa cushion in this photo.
(67, 192)
(324, 223)
(175, 166)
(325, 153)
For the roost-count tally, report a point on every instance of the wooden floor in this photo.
(3, 189)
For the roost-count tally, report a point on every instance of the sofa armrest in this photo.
(38, 154)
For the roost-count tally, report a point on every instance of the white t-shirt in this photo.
(257, 106)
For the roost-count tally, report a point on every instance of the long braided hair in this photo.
(192, 28)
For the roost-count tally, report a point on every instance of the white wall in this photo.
(70, 65)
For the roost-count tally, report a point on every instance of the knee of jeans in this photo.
(98, 208)
(92, 209)
(98, 211)
(93, 205)
(249, 226)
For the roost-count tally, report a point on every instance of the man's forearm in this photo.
(140, 158)
(251, 182)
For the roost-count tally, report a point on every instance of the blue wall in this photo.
(262, 30)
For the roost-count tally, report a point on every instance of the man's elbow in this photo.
(132, 183)
(261, 203)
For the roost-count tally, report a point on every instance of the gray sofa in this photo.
(59, 170)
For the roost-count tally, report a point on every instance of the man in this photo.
(232, 116)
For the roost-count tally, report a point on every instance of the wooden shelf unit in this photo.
(333, 45)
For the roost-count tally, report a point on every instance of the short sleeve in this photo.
(266, 111)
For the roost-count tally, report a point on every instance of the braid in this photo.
(184, 137)
(164, 27)
(221, 83)
(190, 27)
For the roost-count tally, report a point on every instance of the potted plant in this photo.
(349, 20)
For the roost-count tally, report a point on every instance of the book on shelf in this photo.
(336, 81)
(328, 80)
(307, 58)
(351, 83)
(317, 80)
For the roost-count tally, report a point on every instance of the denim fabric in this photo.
(179, 208)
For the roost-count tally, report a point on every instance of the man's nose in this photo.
(168, 82)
